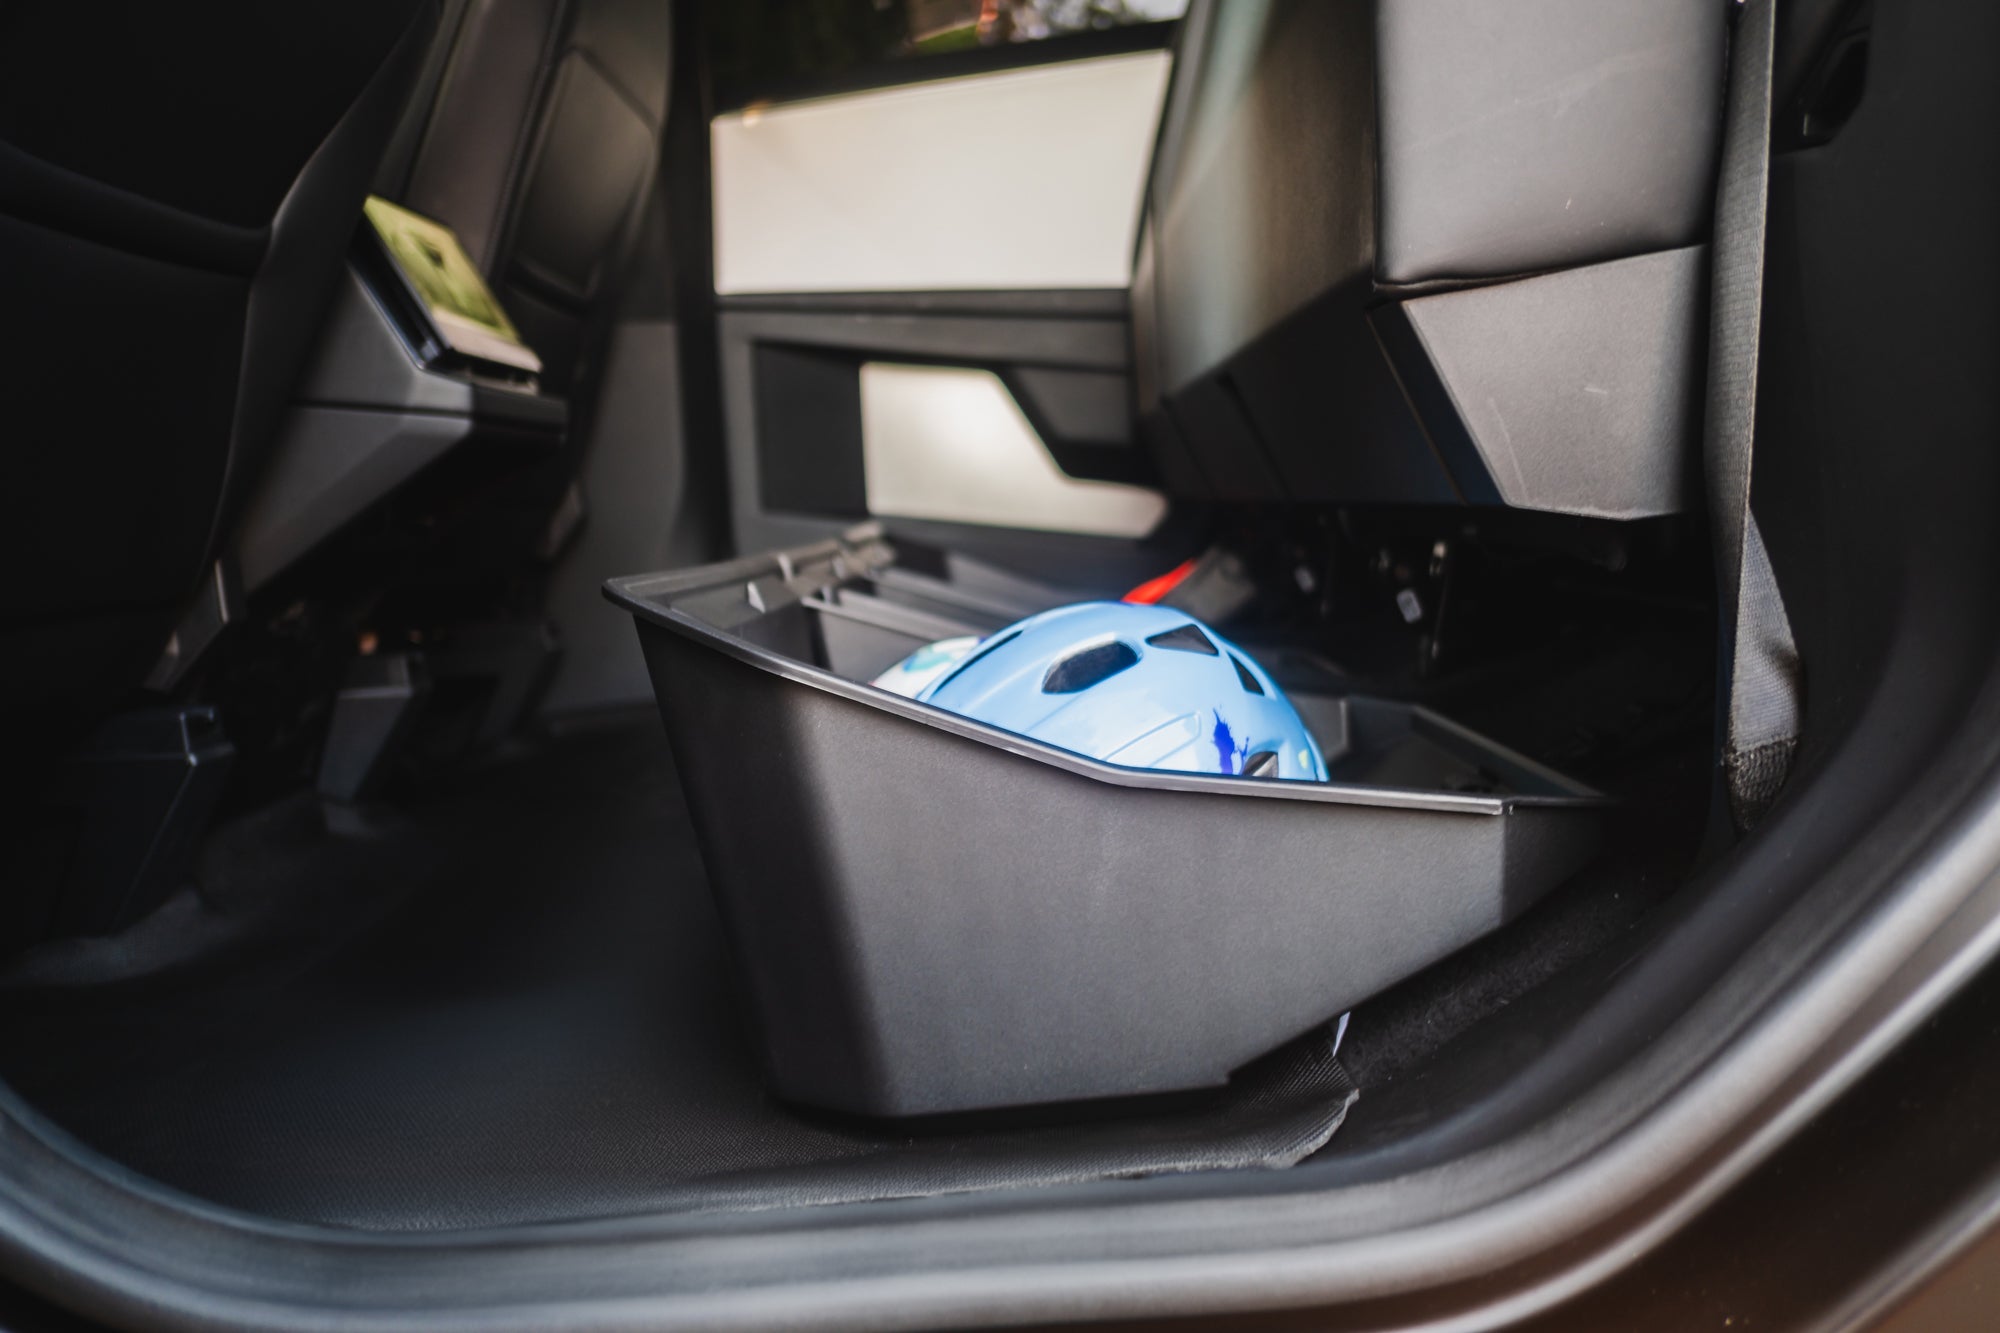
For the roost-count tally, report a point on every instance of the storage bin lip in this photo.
(639, 594)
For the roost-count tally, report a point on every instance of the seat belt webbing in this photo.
(1762, 679)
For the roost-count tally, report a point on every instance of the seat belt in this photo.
(1762, 678)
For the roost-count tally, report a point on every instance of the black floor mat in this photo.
(511, 1003)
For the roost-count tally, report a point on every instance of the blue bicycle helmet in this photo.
(1142, 686)
(911, 676)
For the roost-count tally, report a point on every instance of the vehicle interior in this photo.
(460, 875)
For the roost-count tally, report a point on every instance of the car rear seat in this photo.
(1432, 251)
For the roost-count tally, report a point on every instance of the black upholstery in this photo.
(1526, 137)
(177, 185)
(1319, 163)
(211, 109)
(538, 147)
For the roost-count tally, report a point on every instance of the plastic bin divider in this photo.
(863, 636)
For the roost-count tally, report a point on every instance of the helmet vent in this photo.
(1086, 667)
(1263, 764)
(1243, 674)
(1184, 639)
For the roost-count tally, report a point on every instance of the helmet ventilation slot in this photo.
(1089, 666)
(1184, 639)
(1243, 674)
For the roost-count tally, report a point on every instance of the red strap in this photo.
(1152, 591)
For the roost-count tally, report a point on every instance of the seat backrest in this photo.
(178, 185)
(1431, 251)
(537, 143)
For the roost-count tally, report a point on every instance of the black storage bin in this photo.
(936, 915)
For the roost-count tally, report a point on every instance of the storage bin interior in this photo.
(852, 610)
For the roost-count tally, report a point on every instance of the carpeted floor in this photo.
(511, 1002)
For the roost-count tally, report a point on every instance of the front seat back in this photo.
(538, 146)
(178, 185)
